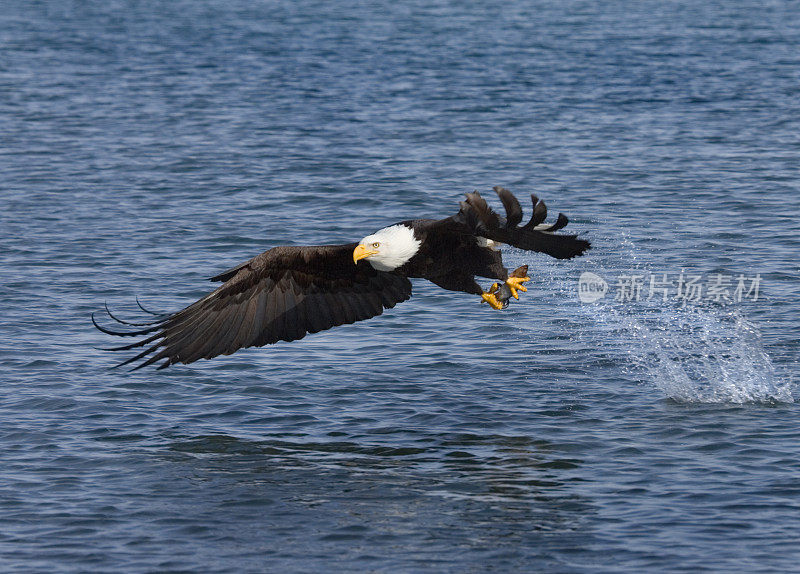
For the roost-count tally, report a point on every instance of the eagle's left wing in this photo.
(280, 295)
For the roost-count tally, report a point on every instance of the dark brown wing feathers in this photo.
(280, 295)
(483, 221)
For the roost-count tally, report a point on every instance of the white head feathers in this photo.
(395, 245)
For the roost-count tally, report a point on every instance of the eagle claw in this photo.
(515, 284)
(490, 297)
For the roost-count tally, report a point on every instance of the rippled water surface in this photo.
(147, 146)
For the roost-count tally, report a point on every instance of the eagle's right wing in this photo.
(280, 295)
(533, 236)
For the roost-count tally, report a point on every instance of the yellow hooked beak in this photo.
(362, 251)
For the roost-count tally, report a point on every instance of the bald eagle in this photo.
(287, 292)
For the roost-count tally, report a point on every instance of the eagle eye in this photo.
(376, 245)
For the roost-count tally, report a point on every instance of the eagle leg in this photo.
(498, 295)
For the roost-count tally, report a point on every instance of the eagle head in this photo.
(389, 248)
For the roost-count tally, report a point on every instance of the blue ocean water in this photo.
(147, 146)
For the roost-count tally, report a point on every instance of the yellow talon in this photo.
(490, 298)
(516, 284)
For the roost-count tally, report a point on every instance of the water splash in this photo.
(695, 353)
(702, 355)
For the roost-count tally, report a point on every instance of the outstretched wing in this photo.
(279, 295)
(533, 236)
